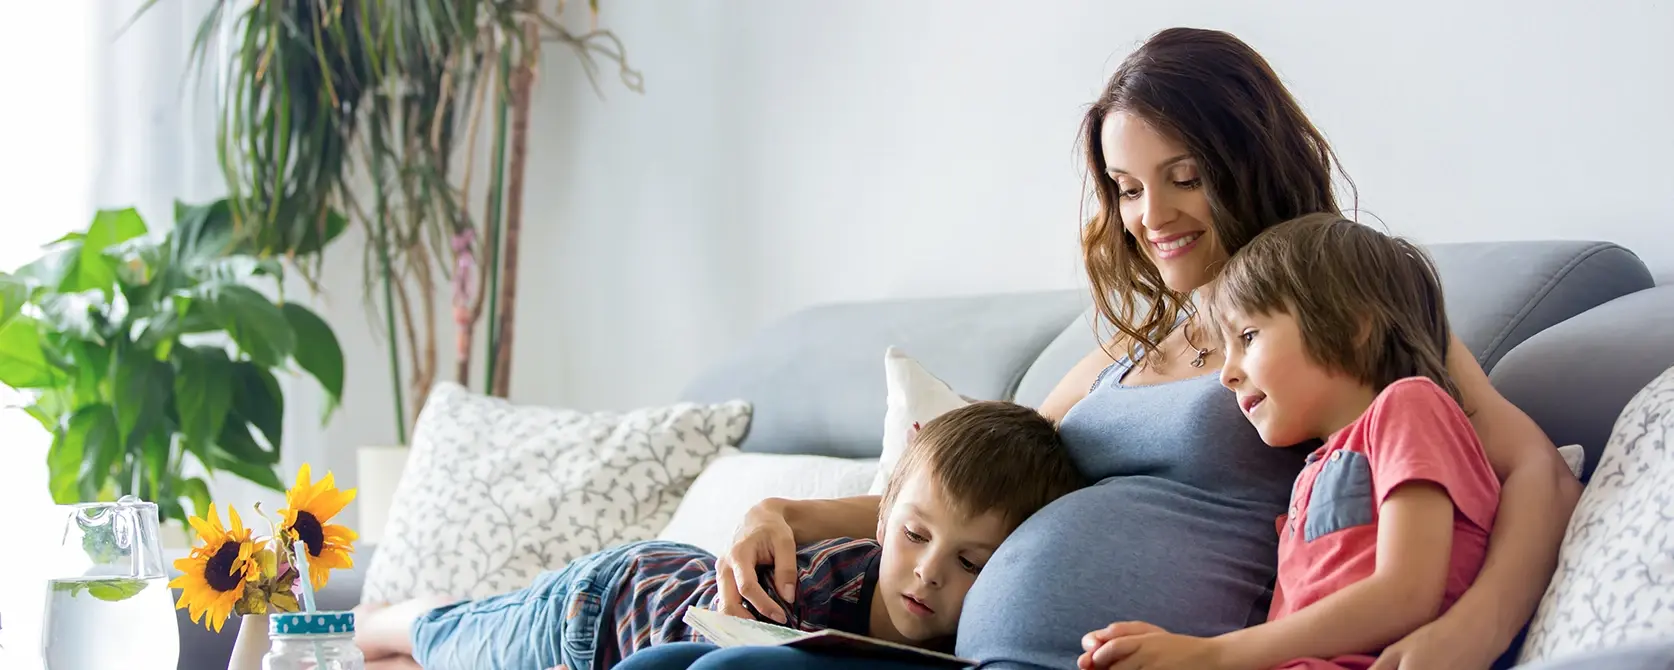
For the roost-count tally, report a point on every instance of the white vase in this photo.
(380, 471)
(252, 643)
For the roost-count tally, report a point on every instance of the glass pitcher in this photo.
(108, 601)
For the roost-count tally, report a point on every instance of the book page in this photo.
(731, 631)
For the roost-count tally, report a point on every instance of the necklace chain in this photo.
(1202, 352)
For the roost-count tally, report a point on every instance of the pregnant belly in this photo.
(1130, 548)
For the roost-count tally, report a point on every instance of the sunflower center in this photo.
(309, 531)
(218, 570)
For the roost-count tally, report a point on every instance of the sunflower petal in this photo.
(338, 535)
(330, 502)
(302, 489)
(208, 529)
(237, 523)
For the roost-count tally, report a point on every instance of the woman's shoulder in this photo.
(1079, 380)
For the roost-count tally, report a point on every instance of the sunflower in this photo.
(213, 576)
(308, 506)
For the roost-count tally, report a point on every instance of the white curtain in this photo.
(92, 119)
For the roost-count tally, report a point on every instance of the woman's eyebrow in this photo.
(1113, 171)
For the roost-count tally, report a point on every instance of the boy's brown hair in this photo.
(1369, 305)
(989, 456)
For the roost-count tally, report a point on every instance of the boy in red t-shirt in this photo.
(1336, 332)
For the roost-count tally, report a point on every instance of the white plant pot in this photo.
(380, 473)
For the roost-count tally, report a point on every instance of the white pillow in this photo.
(915, 397)
(495, 493)
(1615, 579)
(717, 501)
(1575, 457)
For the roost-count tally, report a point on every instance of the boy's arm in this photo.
(1415, 536)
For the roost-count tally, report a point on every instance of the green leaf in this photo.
(14, 292)
(64, 467)
(203, 393)
(156, 448)
(259, 474)
(113, 589)
(202, 232)
(93, 269)
(139, 260)
(253, 322)
(142, 387)
(80, 315)
(54, 267)
(90, 362)
(313, 240)
(81, 462)
(236, 442)
(256, 397)
(317, 351)
(112, 227)
(23, 364)
(154, 333)
(197, 491)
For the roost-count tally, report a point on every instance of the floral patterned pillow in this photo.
(493, 493)
(1615, 580)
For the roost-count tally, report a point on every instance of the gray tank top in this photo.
(1178, 531)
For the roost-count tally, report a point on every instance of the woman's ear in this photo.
(912, 432)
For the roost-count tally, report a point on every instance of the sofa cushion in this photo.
(494, 493)
(1574, 378)
(1615, 579)
(1498, 294)
(711, 510)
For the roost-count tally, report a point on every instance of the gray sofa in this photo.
(1568, 331)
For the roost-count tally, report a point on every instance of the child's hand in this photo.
(1142, 646)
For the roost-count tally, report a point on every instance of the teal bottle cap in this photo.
(312, 623)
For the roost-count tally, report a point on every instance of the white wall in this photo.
(789, 153)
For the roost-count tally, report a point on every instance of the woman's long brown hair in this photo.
(1261, 160)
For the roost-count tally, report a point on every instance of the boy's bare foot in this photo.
(384, 631)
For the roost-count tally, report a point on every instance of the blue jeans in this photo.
(555, 621)
(699, 656)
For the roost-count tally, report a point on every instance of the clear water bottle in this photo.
(313, 641)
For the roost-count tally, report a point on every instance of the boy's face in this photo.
(1281, 390)
(931, 555)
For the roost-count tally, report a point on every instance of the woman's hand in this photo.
(1438, 644)
(764, 538)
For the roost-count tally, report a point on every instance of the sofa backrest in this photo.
(816, 377)
(1575, 377)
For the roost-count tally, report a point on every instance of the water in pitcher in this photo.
(108, 600)
(110, 623)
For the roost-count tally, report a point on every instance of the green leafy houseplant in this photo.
(374, 108)
(142, 350)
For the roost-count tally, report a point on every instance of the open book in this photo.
(730, 631)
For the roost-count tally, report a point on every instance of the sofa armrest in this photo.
(203, 649)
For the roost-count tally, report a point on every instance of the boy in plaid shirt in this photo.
(968, 479)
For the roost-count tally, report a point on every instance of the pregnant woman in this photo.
(1195, 147)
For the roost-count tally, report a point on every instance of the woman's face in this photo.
(1160, 196)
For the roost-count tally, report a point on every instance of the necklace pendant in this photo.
(1198, 362)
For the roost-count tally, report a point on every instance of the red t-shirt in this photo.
(1412, 432)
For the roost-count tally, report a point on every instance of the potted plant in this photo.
(374, 108)
(145, 351)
